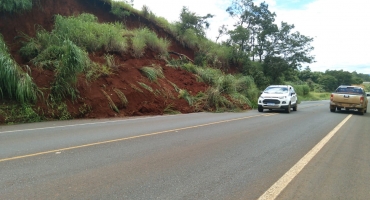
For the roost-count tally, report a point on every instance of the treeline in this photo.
(258, 47)
(331, 79)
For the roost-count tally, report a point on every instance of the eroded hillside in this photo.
(97, 97)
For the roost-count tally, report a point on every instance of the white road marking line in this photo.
(280, 185)
(85, 124)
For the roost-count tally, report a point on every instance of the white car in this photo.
(278, 97)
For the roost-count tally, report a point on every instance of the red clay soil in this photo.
(93, 102)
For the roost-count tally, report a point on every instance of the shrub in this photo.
(85, 31)
(306, 89)
(190, 67)
(302, 90)
(121, 9)
(208, 75)
(15, 5)
(138, 46)
(241, 100)
(145, 38)
(184, 94)
(226, 84)
(71, 62)
(20, 113)
(14, 82)
(189, 39)
(214, 98)
(214, 55)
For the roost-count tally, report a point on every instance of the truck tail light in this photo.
(331, 97)
(361, 100)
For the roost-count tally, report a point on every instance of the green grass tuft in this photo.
(145, 86)
(112, 105)
(184, 94)
(121, 96)
(153, 73)
(14, 82)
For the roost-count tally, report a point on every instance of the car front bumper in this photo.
(273, 103)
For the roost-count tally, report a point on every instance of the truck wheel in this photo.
(332, 109)
(362, 111)
(287, 110)
(260, 109)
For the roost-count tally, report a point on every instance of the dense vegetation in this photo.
(263, 53)
(258, 47)
(15, 5)
(14, 81)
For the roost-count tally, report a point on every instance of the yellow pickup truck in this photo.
(349, 98)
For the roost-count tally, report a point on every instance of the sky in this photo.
(341, 29)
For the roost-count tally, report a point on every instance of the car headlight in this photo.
(284, 97)
(261, 97)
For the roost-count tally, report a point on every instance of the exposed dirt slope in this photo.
(93, 102)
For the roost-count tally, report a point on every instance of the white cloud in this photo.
(339, 28)
(340, 33)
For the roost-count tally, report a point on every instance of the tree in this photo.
(130, 2)
(343, 77)
(293, 47)
(264, 37)
(257, 22)
(363, 77)
(239, 38)
(222, 30)
(274, 68)
(307, 74)
(189, 20)
(328, 82)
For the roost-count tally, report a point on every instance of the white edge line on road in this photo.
(280, 185)
(84, 124)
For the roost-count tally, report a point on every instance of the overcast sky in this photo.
(341, 29)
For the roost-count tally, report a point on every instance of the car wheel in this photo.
(287, 110)
(295, 108)
(332, 109)
(260, 109)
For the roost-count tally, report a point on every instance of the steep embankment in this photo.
(97, 97)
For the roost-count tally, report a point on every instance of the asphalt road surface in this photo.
(308, 154)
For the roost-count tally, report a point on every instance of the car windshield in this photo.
(350, 90)
(276, 90)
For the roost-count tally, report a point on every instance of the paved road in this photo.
(247, 155)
